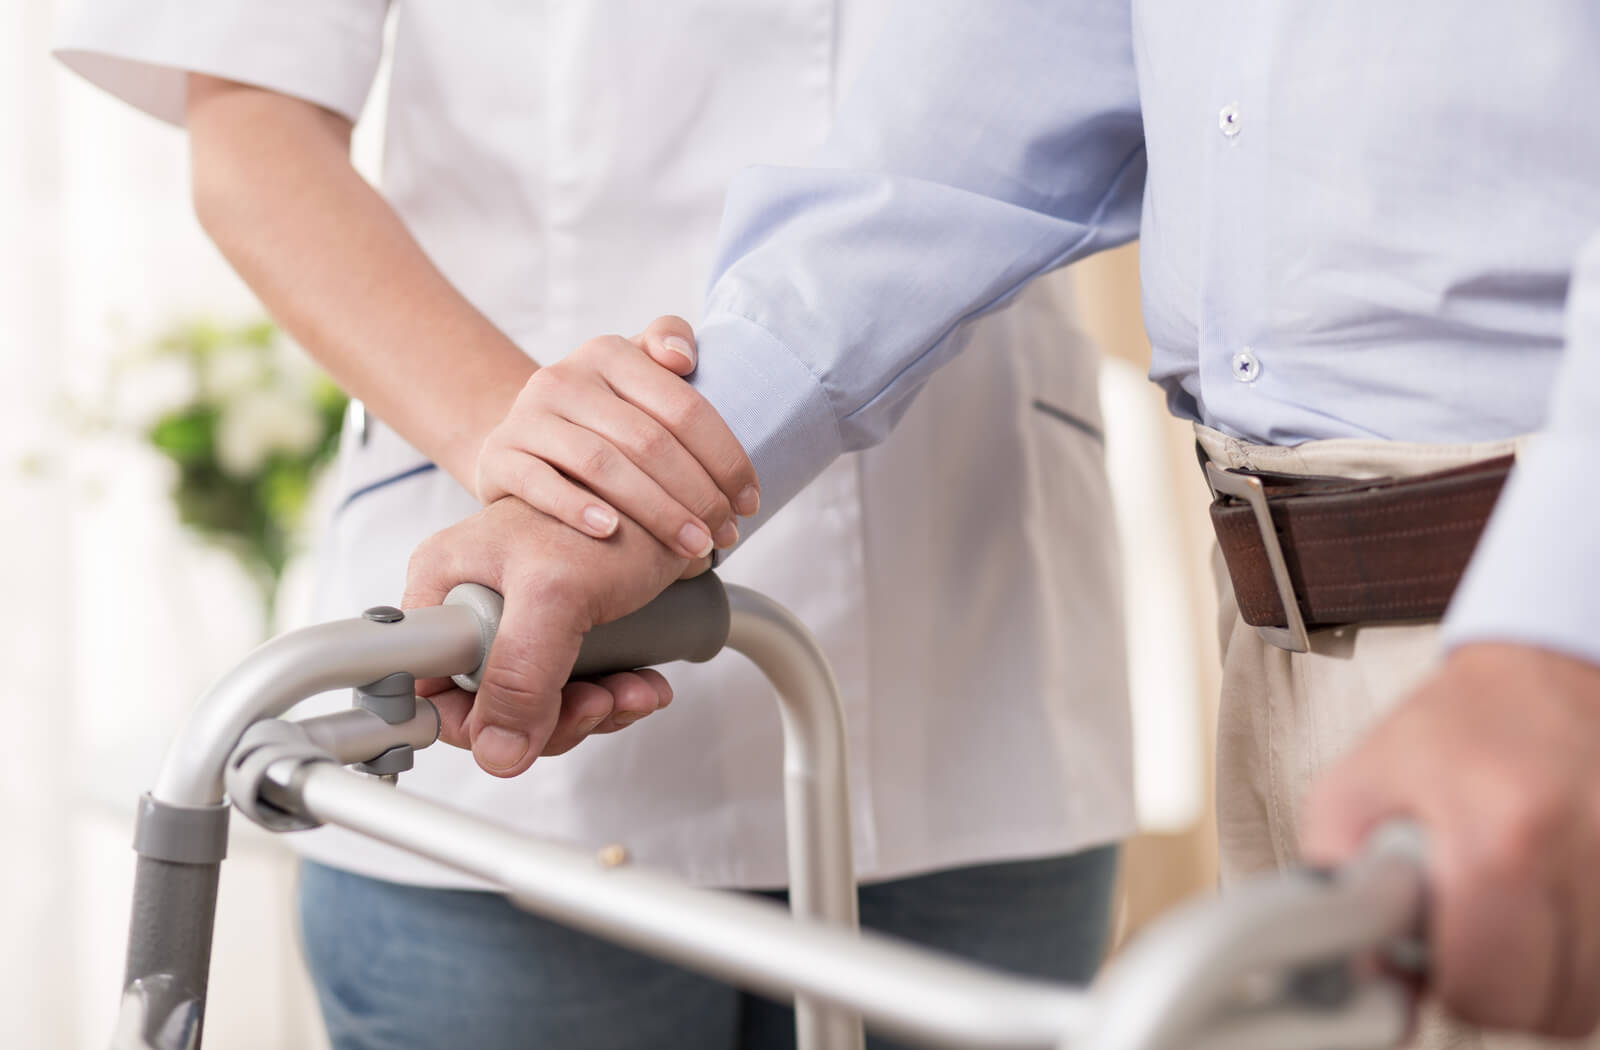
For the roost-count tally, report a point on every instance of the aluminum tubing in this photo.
(429, 643)
(815, 784)
(909, 992)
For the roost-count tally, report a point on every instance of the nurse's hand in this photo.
(613, 428)
(557, 585)
(1497, 756)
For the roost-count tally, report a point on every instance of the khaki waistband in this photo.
(1350, 457)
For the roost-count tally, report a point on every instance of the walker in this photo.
(1282, 963)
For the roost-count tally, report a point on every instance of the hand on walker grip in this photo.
(611, 431)
(557, 585)
(1497, 757)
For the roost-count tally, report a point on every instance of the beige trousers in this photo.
(1283, 717)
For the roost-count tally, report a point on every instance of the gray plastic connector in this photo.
(487, 606)
(392, 697)
(263, 744)
(181, 834)
(391, 763)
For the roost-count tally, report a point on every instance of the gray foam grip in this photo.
(174, 912)
(688, 621)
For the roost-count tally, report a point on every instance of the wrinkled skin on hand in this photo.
(1497, 756)
(557, 584)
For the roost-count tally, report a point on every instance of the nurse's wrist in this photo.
(460, 437)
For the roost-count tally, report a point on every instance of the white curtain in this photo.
(112, 620)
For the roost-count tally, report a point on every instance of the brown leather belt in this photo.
(1310, 552)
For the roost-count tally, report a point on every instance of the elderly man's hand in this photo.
(1497, 756)
(557, 584)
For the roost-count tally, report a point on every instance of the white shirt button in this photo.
(1246, 367)
(1228, 119)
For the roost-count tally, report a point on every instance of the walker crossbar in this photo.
(1281, 963)
(1180, 987)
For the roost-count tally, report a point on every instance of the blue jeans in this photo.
(408, 968)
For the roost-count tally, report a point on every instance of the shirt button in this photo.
(1228, 119)
(1245, 366)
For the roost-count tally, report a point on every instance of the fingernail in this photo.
(728, 535)
(681, 347)
(749, 501)
(695, 540)
(627, 718)
(588, 725)
(498, 748)
(602, 521)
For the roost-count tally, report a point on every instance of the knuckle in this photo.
(603, 351)
(709, 505)
(595, 461)
(653, 443)
(507, 697)
(536, 390)
(524, 474)
(590, 350)
(1522, 833)
(558, 581)
(680, 411)
(738, 467)
(424, 556)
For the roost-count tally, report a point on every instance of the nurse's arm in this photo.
(983, 145)
(275, 189)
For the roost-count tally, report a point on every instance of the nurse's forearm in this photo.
(275, 189)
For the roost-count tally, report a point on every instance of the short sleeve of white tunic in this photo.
(323, 51)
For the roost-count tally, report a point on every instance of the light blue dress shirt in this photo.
(1358, 219)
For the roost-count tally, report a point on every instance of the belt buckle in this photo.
(1248, 488)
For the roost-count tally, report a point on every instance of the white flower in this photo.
(258, 423)
(232, 370)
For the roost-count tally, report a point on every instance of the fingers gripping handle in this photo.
(687, 621)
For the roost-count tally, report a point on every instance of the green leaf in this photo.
(187, 437)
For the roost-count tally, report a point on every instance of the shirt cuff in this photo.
(321, 51)
(1533, 578)
(774, 404)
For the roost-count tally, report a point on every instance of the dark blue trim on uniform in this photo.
(383, 483)
(1070, 420)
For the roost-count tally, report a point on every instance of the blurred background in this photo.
(158, 465)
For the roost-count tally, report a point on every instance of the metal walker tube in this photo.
(909, 991)
(816, 797)
(181, 843)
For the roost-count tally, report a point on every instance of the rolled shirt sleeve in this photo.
(323, 51)
(1535, 578)
(984, 145)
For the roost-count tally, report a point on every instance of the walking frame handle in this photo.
(234, 732)
(687, 621)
